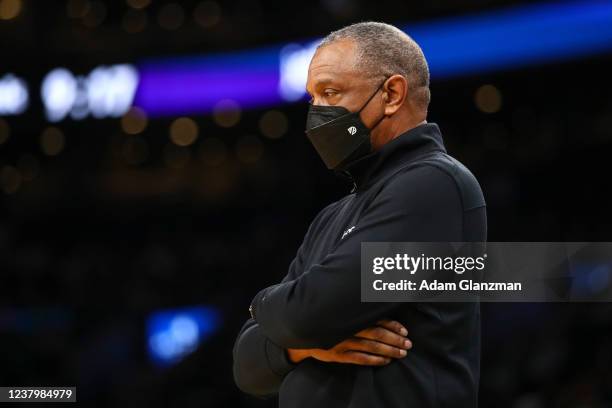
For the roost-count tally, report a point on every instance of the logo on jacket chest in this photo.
(347, 231)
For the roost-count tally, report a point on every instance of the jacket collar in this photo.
(406, 147)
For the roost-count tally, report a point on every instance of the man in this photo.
(311, 339)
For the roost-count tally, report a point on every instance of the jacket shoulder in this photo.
(467, 184)
(450, 172)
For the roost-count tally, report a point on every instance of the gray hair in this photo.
(384, 50)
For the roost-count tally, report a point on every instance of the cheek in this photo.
(380, 135)
(372, 114)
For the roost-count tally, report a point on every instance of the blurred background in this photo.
(155, 175)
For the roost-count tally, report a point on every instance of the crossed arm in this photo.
(322, 306)
(319, 311)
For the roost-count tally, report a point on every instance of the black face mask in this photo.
(339, 135)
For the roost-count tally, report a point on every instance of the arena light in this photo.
(294, 60)
(514, 37)
(58, 93)
(111, 90)
(197, 84)
(14, 96)
(275, 75)
(173, 334)
(108, 91)
(455, 46)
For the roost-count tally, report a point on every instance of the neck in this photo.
(396, 129)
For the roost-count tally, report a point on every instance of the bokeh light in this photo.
(226, 113)
(134, 121)
(273, 124)
(488, 99)
(9, 9)
(183, 131)
(52, 141)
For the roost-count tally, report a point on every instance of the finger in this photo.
(356, 357)
(386, 336)
(375, 347)
(394, 326)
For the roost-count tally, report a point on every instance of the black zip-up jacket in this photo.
(410, 190)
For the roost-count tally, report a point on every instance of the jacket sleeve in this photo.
(323, 306)
(260, 365)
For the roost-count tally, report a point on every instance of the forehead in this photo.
(335, 61)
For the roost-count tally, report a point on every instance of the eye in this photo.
(330, 92)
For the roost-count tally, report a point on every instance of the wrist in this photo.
(297, 355)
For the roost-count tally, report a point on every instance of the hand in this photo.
(374, 346)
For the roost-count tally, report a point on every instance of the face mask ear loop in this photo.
(368, 101)
(371, 97)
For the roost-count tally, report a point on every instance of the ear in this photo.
(395, 92)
